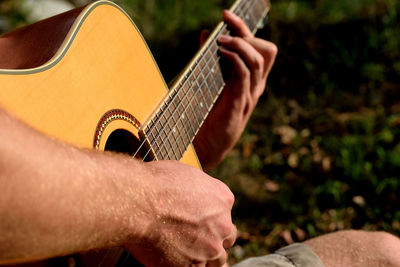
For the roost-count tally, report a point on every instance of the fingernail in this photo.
(224, 38)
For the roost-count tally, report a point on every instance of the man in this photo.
(57, 199)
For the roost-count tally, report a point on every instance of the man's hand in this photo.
(252, 59)
(60, 200)
(190, 223)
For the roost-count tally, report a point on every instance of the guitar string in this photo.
(172, 114)
(215, 64)
(186, 140)
(148, 151)
(242, 3)
(253, 3)
(194, 97)
(186, 110)
(247, 6)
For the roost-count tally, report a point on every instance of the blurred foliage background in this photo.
(322, 150)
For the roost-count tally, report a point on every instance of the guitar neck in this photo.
(176, 122)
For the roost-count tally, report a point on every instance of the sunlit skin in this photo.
(252, 59)
(357, 249)
(59, 199)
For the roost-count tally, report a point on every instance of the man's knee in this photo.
(357, 248)
(388, 246)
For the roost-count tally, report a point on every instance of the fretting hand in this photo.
(252, 59)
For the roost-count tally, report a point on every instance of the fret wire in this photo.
(158, 149)
(259, 8)
(203, 85)
(216, 70)
(210, 80)
(165, 130)
(199, 107)
(240, 13)
(196, 96)
(162, 145)
(209, 73)
(169, 141)
(203, 107)
(162, 151)
(252, 16)
(202, 94)
(211, 66)
(221, 31)
(203, 100)
(205, 80)
(215, 64)
(207, 93)
(248, 18)
(190, 123)
(181, 117)
(187, 129)
(256, 9)
(159, 146)
(174, 130)
(191, 95)
(174, 136)
(182, 129)
(167, 111)
(186, 103)
(217, 74)
(193, 117)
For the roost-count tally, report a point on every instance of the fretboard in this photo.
(179, 117)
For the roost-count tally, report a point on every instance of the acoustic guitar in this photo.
(88, 78)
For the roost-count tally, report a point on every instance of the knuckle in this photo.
(214, 250)
(258, 63)
(273, 49)
(230, 198)
(245, 73)
(228, 229)
(236, 41)
(261, 63)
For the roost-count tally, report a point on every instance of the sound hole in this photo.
(123, 141)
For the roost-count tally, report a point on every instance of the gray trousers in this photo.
(295, 255)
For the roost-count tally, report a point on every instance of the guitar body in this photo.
(87, 77)
(101, 81)
(90, 81)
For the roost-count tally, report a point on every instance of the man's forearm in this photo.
(57, 199)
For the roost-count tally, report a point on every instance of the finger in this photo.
(253, 59)
(236, 23)
(241, 75)
(203, 36)
(267, 50)
(220, 261)
(230, 240)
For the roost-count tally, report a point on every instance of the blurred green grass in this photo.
(322, 150)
